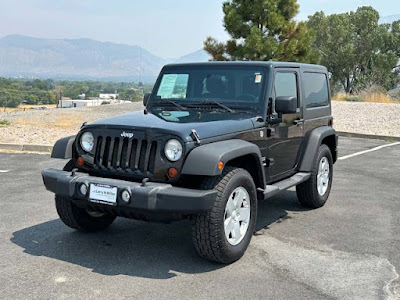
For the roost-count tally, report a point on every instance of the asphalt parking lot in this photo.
(349, 249)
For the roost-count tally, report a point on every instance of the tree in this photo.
(263, 30)
(357, 50)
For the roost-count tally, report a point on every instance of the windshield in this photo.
(221, 87)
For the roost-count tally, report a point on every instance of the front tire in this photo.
(224, 233)
(314, 192)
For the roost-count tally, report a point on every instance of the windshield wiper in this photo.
(164, 102)
(219, 104)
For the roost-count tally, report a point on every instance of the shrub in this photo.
(4, 122)
(354, 98)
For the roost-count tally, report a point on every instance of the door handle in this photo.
(299, 122)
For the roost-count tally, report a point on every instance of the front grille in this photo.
(117, 154)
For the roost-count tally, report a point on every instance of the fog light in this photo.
(126, 196)
(83, 189)
(80, 162)
(172, 172)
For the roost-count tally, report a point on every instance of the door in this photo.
(287, 128)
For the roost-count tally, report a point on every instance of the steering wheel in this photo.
(247, 97)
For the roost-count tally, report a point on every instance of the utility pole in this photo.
(5, 100)
(61, 98)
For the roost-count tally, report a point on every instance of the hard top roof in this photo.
(267, 64)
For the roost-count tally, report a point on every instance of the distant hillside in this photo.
(80, 59)
(198, 56)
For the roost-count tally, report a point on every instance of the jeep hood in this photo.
(138, 120)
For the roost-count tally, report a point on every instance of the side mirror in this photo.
(286, 105)
(146, 98)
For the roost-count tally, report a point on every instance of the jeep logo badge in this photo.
(127, 134)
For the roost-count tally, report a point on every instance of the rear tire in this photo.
(314, 192)
(79, 218)
(224, 233)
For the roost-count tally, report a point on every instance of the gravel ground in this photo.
(367, 118)
(47, 126)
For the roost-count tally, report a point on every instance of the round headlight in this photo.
(87, 141)
(173, 150)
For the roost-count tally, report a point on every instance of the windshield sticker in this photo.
(167, 85)
(258, 78)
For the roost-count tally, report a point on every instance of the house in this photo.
(90, 102)
(108, 96)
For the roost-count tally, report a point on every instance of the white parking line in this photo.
(4, 171)
(367, 151)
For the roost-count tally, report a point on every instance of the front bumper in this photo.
(151, 197)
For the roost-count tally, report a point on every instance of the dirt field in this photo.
(46, 126)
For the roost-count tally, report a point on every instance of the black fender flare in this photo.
(314, 141)
(204, 159)
(63, 148)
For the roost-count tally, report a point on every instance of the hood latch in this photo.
(195, 136)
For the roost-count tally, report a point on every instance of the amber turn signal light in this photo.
(220, 165)
(172, 173)
(80, 162)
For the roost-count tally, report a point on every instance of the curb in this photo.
(26, 147)
(368, 136)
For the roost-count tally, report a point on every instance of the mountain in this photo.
(81, 59)
(198, 56)
(389, 19)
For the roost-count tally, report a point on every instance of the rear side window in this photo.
(285, 84)
(315, 89)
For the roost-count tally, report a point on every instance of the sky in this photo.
(167, 28)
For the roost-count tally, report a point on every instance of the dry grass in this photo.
(376, 98)
(340, 97)
(48, 120)
(25, 107)
(370, 97)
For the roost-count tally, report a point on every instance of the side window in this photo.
(315, 89)
(286, 84)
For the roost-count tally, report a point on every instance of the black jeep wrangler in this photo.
(214, 139)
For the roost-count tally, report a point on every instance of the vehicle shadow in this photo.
(135, 248)
(275, 210)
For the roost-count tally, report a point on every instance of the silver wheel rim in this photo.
(323, 176)
(237, 215)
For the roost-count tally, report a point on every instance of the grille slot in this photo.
(117, 154)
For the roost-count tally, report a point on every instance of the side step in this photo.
(273, 189)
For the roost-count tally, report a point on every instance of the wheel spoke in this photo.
(236, 231)
(320, 189)
(230, 206)
(244, 214)
(239, 197)
(228, 224)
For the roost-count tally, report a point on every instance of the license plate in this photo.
(103, 194)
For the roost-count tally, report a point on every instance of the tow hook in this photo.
(73, 172)
(144, 181)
